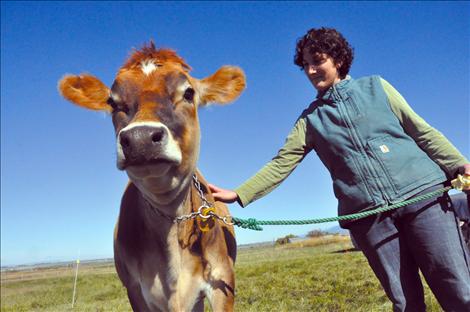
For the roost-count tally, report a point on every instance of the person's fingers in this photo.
(214, 189)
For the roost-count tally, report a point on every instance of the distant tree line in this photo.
(288, 238)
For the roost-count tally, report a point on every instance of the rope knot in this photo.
(251, 223)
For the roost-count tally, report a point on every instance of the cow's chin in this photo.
(152, 170)
(161, 183)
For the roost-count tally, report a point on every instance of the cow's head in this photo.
(153, 102)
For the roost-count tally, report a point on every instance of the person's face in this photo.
(320, 70)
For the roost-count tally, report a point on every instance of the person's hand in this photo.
(223, 195)
(465, 171)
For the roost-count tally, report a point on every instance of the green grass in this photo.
(323, 277)
(309, 279)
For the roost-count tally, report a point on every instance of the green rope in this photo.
(254, 224)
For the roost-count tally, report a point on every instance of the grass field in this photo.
(321, 274)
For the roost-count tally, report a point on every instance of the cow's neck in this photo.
(159, 217)
(170, 202)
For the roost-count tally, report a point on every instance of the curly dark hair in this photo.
(328, 41)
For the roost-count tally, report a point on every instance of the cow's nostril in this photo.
(124, 141)
(157, 136)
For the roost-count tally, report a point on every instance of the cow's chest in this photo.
(171, 278)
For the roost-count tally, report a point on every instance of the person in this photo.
(378, 152)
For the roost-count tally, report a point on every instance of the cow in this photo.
(173, 245)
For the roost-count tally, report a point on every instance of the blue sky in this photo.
(60, 189)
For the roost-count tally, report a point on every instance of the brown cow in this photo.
(166, 258)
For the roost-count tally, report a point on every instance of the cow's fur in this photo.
(165, 266)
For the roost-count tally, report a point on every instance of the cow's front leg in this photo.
(221, 294)
(188, 293)
(137, 301)
(187, 304)
(221, 300)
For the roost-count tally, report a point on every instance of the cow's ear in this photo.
(222, 87)
(86, 91)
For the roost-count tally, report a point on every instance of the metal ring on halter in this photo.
(201, 214)
(227, 222)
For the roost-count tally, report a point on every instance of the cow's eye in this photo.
(189, 95)
(111, 103)
(116, 108)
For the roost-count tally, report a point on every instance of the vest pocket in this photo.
(402, 162)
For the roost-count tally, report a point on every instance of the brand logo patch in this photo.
(384, 149)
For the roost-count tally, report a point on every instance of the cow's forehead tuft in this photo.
(148, 66)
(149, 54)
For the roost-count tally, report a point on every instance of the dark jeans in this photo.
(423, 236)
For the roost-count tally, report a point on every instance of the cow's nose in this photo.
(141, 141)
(142, 136)
(157, 135)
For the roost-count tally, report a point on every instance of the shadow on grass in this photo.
(345, 250)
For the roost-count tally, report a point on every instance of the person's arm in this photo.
(433, 142)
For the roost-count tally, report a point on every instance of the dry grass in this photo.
(319, 241)
(55, 272)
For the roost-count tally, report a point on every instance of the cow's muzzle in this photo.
(144, 145)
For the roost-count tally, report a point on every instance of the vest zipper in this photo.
(360, 148)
